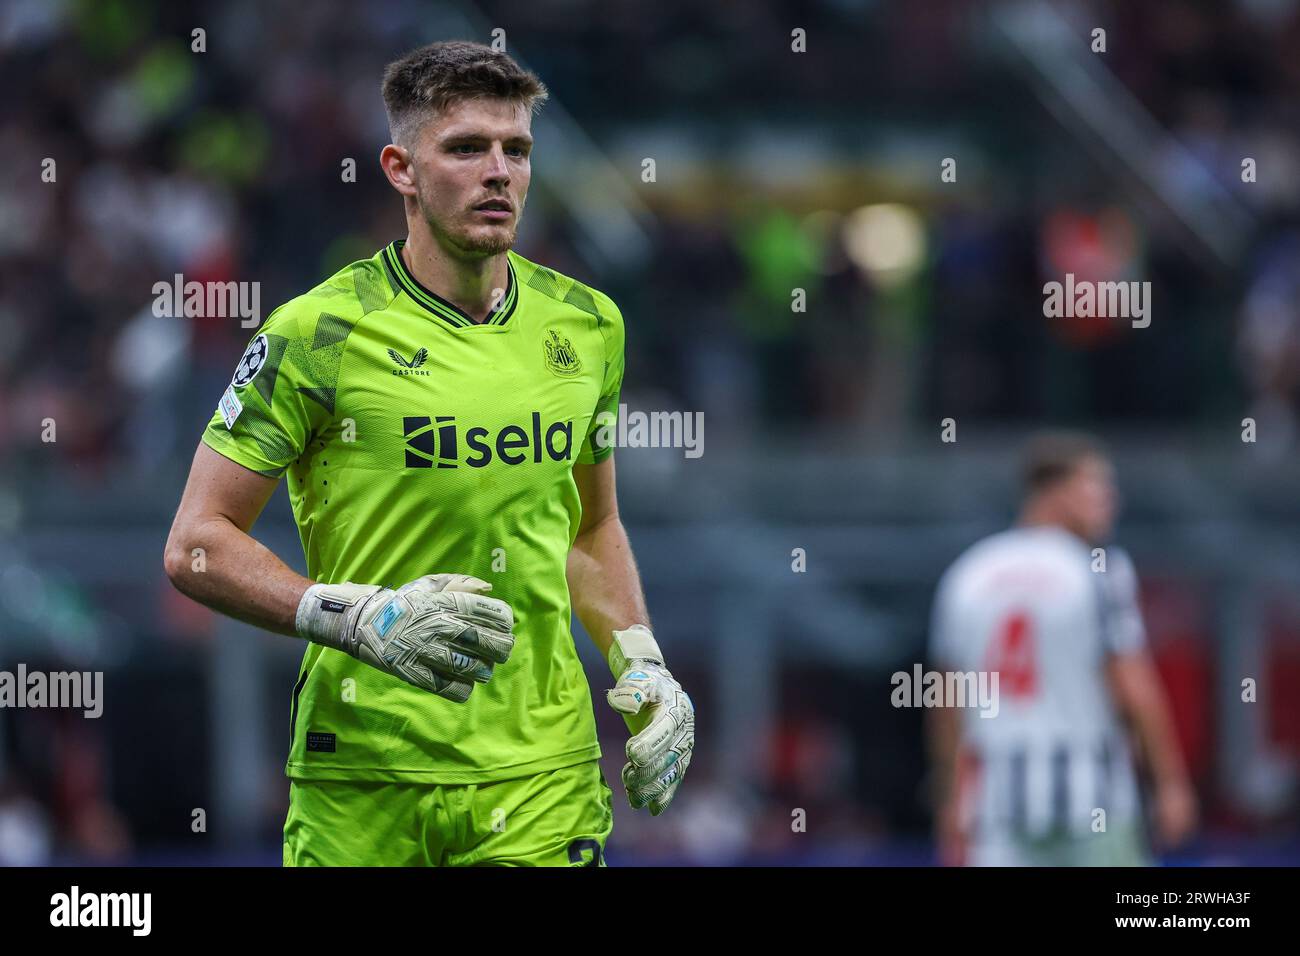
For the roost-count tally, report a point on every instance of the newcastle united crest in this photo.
(561, 357)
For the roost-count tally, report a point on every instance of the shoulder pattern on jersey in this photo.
(307, 337)
(569, 291)
(562, 288)
(317, 350)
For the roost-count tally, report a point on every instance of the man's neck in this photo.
(1034, 516)
(476, 286)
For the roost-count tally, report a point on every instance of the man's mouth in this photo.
(496, 209)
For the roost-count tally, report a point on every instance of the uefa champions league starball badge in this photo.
(252, 362)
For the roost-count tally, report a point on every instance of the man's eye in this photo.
(463, 148)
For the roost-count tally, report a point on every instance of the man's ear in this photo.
(396, 163)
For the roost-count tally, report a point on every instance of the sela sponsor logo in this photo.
(1084, 299)
(222, 300)
(74, 690)
(412, 367)
(75, 908)
(946, 689)
(438, 441)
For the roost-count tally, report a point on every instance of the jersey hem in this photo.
(299, 771)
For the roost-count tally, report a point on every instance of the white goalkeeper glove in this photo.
(659, 714)
(439, 632)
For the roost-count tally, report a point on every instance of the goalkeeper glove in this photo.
(658, 713)
(439, 632)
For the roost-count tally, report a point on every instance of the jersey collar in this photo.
(449, 312)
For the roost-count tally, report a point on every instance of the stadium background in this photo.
(774, 171)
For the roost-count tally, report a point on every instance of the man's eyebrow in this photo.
(462, 135)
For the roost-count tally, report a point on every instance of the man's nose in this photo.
(497, 170)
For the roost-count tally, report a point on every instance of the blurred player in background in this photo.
(1049, 779)
(437, 411)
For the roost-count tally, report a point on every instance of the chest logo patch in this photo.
(561, 357)
(408, 368)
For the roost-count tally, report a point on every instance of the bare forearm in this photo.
(1142, 701)
(944, 733)
(604, 584)
(218, 565)
(1154, 727)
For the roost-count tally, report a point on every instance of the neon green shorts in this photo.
(558, 818)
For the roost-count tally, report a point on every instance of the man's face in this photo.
(1090, 499)
(471, 170)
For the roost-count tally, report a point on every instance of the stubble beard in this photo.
(474, 242)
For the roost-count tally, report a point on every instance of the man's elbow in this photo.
(604, 524)
(182, 558)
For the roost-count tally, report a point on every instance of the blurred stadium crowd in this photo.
(774, 172)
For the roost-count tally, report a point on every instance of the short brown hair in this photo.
(1052, 456)
(431, 78)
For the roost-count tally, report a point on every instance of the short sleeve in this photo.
(597, 445)
(282, 391)
(1122, 631)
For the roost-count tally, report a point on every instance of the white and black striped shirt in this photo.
(1034, 605)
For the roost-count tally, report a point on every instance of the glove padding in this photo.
(438, 633)
(661, 717)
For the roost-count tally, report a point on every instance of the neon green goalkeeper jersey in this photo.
(418, 442)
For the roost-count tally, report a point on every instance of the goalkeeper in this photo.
(438, 412)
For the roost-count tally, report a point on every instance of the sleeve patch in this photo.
(252, 361)
(230, 406)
